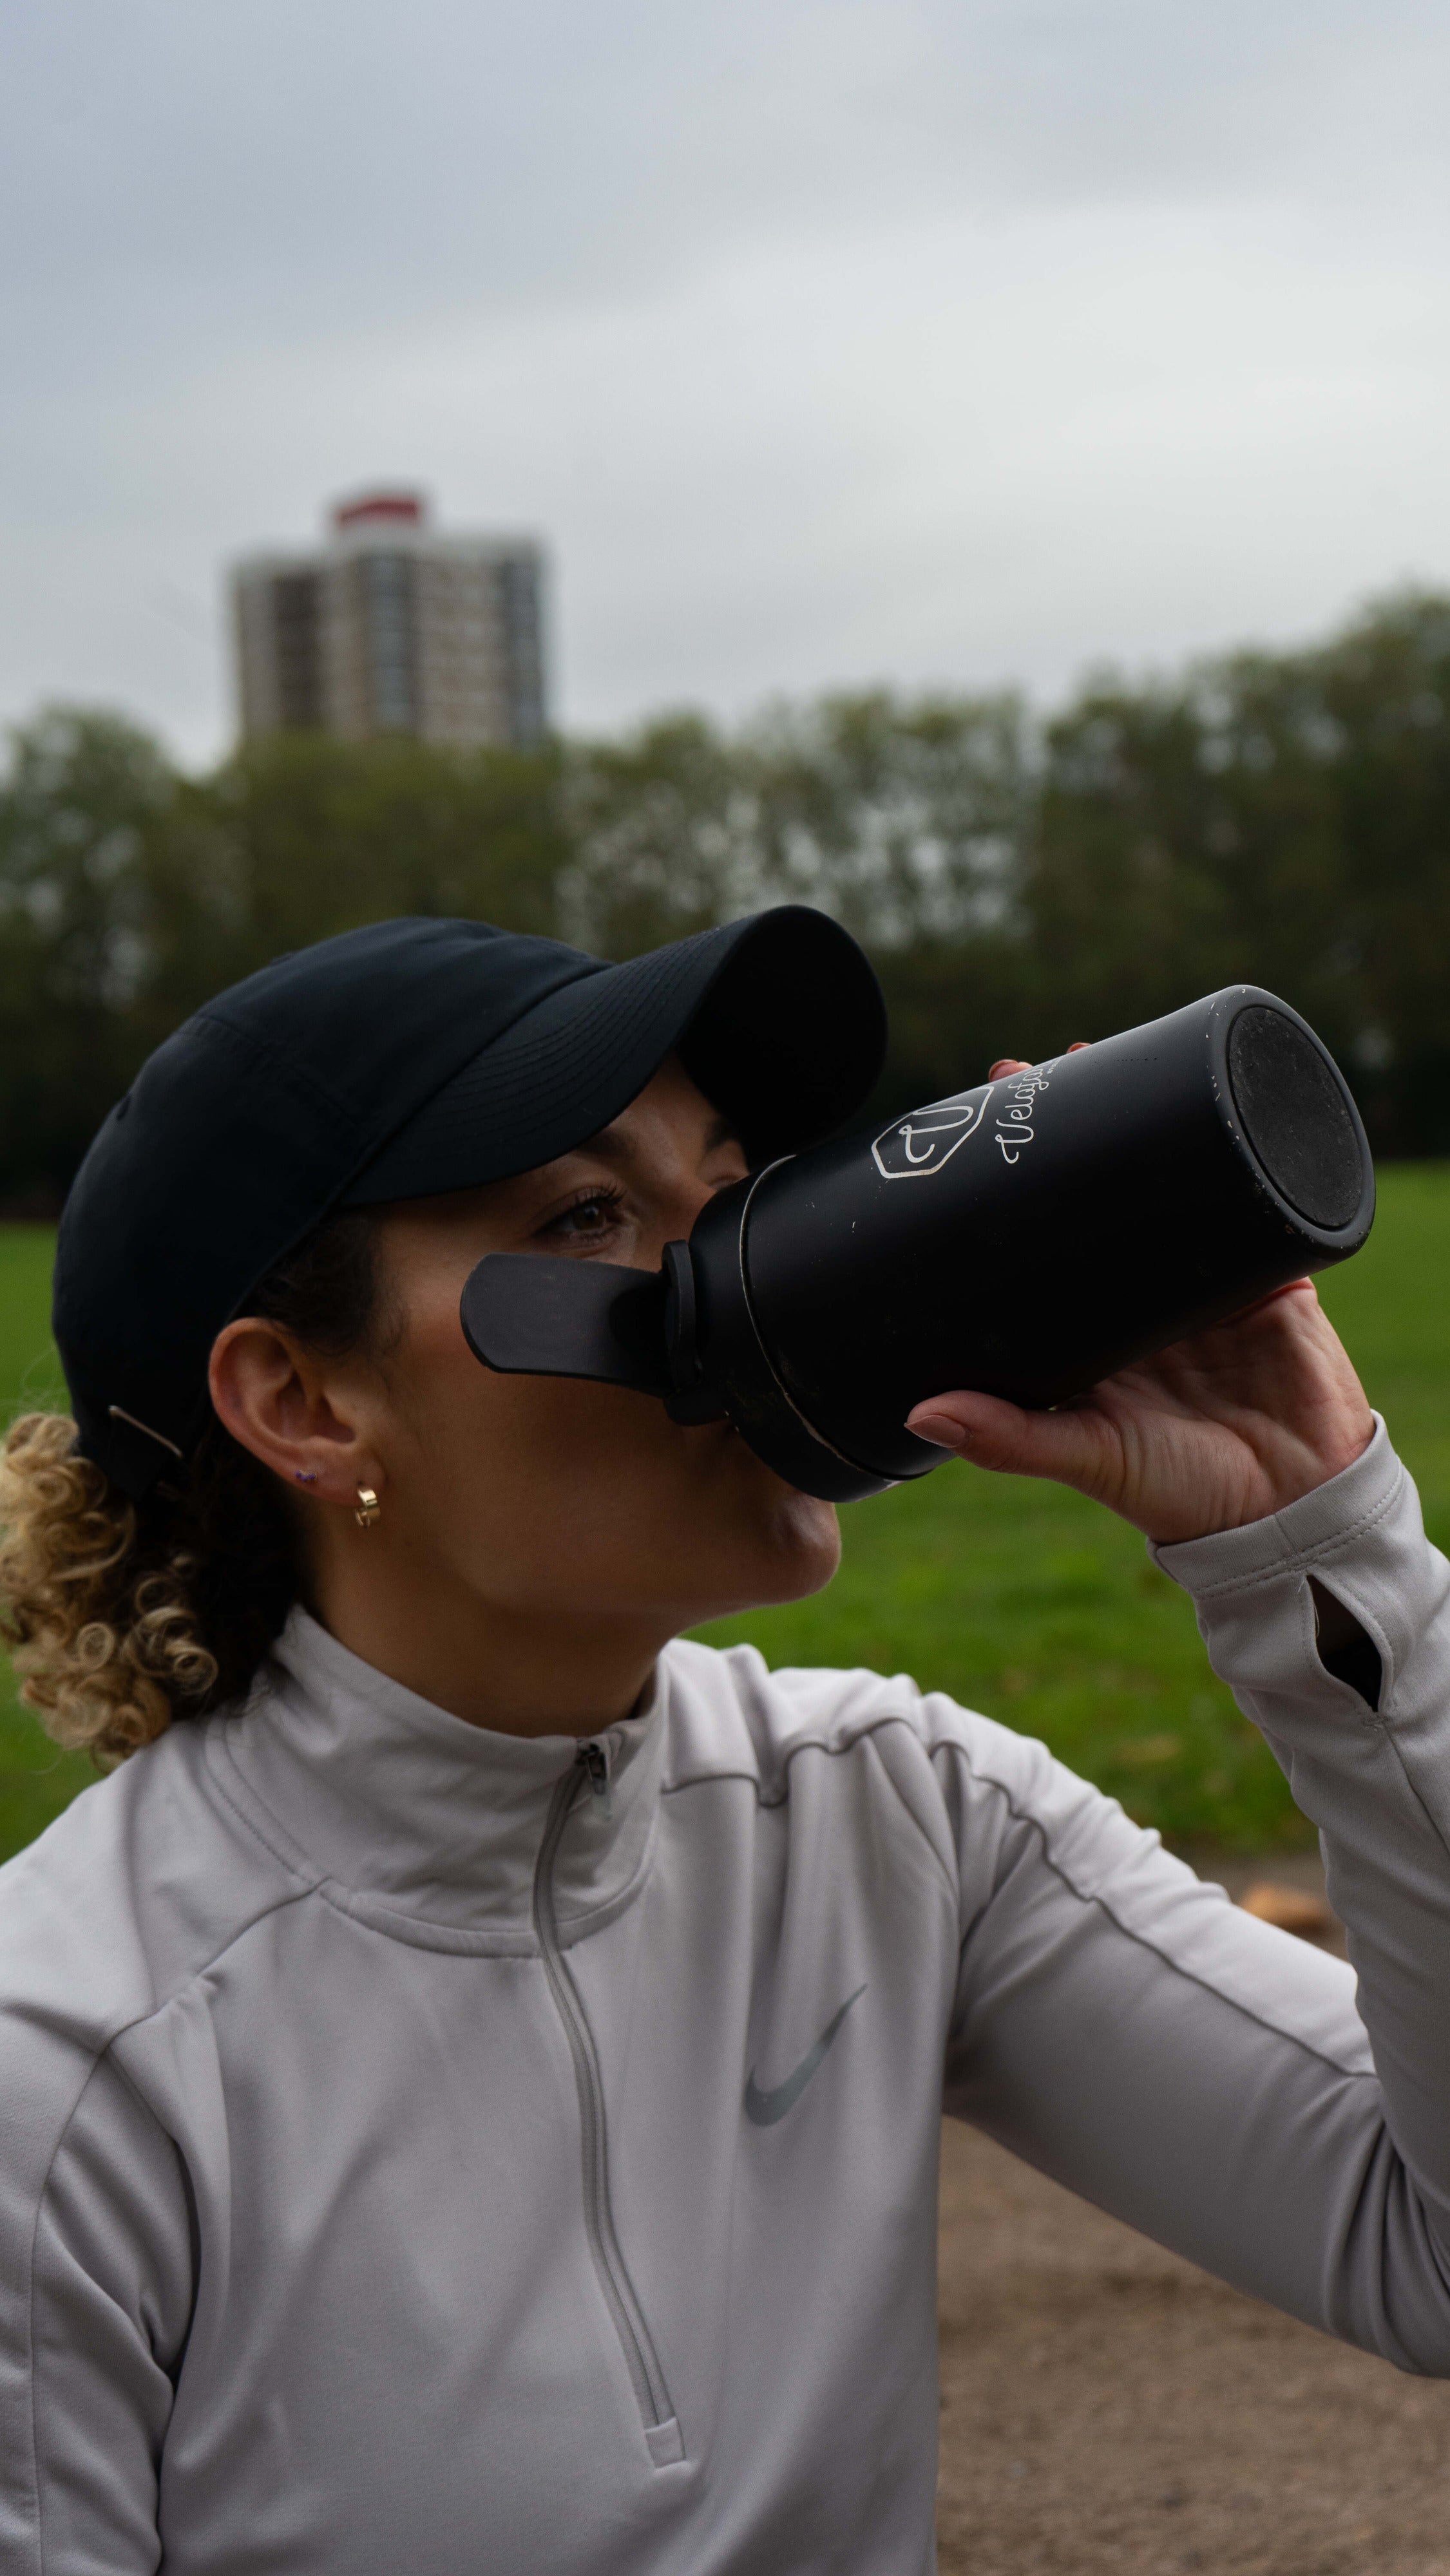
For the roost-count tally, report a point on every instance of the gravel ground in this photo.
(1108, 2410)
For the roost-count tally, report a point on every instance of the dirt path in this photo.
(1108, 2410)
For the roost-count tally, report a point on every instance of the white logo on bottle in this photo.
(1017, 1108)
(926, 1140)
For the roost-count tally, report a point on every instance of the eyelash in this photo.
(604, 1194)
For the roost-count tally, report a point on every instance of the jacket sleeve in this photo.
(110, 2299)
(1221, 2086)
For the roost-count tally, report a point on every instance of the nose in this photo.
(674, 1212)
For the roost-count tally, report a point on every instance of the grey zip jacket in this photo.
(424, 2150)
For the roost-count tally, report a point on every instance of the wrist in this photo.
(1322, 1515)
(1265, 1478)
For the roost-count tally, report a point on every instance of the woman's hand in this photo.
(1221, 1429)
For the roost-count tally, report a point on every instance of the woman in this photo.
(470, 2078)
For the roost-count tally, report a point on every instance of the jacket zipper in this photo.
(647, 2379)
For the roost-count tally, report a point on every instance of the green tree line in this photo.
(1281, 818)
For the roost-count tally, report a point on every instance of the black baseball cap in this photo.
(396, 1062)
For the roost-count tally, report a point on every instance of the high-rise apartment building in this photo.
(392, 628)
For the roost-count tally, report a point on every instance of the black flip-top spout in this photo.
(533, 1315)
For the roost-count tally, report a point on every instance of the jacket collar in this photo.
(424, 1825)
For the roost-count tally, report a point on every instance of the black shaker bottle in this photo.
(1027, 1238)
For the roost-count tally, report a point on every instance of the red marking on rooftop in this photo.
(369, 508)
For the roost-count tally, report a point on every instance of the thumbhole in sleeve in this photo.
(1346, 1653)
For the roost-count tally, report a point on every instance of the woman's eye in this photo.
(596, 1215)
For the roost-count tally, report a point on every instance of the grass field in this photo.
(36, 1780)
(1015, 1597)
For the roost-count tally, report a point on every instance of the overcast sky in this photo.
(824, 341)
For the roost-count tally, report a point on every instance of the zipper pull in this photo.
(595, 1763)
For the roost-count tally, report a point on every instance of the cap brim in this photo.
(779, 1019)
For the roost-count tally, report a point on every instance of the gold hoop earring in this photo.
(371, 1511)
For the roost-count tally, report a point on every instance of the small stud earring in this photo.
(305, 1475)
(371, 1511)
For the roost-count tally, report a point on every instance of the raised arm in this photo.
(1201, 2074)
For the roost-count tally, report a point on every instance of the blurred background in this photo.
(980, 469)
(828, 341)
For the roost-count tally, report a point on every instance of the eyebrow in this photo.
(721, 1131)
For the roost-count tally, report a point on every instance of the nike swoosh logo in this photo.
(764, 2109)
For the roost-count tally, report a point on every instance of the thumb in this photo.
(991, 1433)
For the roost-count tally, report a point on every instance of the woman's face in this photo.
(554, 1496)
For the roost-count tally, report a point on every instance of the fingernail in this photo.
(938, 1428)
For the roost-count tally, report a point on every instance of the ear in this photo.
(291, 1410)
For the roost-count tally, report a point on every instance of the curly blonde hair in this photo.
(121, 1616)
(107, 1648)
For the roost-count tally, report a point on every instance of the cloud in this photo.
(824, 342)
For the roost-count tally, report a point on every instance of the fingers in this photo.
(1006, 1064)
(1069, 1445)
